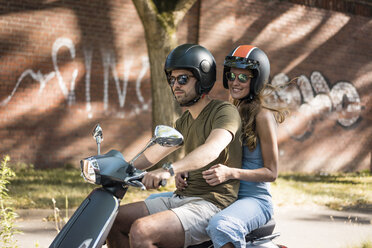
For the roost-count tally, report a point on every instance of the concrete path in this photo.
(300, 226)
(320, 227)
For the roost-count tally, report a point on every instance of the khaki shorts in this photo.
(193, 212)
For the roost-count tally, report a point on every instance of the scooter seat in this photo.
(262, 231)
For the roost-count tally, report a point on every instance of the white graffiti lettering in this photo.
(311, 99)
(43, 80)
(58, 44)
(108, 61)
(346, 102)
(88, 54)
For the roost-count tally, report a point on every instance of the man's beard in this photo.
(185, 97)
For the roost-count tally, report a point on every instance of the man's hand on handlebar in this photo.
(153, 179)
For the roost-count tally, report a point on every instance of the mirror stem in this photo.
(98, 141)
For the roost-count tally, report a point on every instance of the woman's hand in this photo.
(217, 174)
(181, 180)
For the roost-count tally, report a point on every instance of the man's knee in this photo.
(139, 233)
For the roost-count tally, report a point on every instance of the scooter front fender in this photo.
(90, 224)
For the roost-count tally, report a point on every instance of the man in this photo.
(211, 131)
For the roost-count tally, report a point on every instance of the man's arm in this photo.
(152, 155)
(217, 140)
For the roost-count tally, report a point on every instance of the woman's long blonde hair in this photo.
(249, 109)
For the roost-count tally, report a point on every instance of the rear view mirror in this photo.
(167, 136)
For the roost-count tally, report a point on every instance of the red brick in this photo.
(45, 130)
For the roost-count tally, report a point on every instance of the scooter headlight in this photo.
(90, 170)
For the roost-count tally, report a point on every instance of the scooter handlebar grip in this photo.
(163, 182)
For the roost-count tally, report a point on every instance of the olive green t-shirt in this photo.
(217, 114)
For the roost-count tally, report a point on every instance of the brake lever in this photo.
(138, 184)
(138, 176)
(136, 180)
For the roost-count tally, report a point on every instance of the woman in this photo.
(246, 72)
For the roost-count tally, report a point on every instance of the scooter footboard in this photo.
(91, 222)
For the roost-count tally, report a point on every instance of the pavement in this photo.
(305, 226)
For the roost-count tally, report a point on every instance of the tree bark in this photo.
(165, 110)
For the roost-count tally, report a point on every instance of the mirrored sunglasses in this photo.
(181, 79)
(243, 78)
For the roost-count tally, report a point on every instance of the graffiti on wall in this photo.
(109, 64)
(312, 99)
(308, 100)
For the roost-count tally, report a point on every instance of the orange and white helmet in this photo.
(250, 58)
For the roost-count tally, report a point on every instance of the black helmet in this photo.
(197, 59)
(250, 58)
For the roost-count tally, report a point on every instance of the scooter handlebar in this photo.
(136, 180)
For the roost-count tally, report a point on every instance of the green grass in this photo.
(337, 191)
(36, 188)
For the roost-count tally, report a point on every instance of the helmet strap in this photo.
(249, 97)
(191, 102)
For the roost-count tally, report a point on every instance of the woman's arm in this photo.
(266, 128)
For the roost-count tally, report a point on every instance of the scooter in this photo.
(90, 224)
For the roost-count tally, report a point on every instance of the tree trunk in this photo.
(165, 110)
(160, 20)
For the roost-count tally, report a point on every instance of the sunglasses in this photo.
(181, 79)
(243, 78)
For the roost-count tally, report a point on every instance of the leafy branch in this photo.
(7, 214)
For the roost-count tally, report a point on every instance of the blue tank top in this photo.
(253, 160)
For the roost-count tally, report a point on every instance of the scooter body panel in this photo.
(91, 222)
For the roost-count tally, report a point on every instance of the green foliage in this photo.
(7, 214)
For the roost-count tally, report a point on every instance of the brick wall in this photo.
(67, 65)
